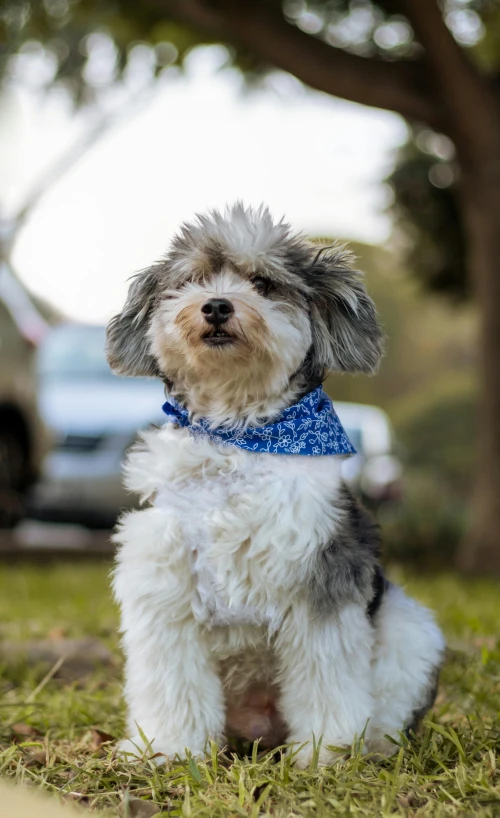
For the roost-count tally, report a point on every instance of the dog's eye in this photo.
(261, 284)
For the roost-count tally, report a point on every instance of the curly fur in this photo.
(252, 599)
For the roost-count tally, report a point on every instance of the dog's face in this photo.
(240, 304)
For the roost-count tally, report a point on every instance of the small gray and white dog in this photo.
(252, 600)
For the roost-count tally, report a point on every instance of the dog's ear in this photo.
(346, 332)
(127, 342)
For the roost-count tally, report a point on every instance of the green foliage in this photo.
(450, 770)
(487, 52)
(65, 30)
(425, 185)
(425, 528)
(439, 434)
(87, 46)
(426, 213)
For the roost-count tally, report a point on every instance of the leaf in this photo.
(57, 633)
(137, 808)
(21, 731)
(409, 800)
(100, 737)
(37, 759)
(79, 797)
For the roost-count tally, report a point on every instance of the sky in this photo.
(201, 141)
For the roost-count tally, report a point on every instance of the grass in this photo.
(450, 770)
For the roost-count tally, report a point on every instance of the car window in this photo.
(74, 352)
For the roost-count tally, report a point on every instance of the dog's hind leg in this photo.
(408, 653)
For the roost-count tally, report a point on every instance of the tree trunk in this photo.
(472, 106)
(480, 551)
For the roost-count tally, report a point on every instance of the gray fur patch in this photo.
(127, 342)
(346, 332)
(345, 570)
(428, 700)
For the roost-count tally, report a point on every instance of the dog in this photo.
(253, 604)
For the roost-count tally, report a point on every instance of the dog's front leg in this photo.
(325, 678)
(173, 692)
(172, 686)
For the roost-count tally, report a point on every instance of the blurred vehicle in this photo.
(94, 417)
(22, 437)
(375, 471)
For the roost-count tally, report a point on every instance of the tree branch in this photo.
(401, 87)
(468, 98)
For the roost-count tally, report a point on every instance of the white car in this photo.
(375, 471)
(94, 417)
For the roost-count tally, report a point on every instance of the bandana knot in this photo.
(310, 427)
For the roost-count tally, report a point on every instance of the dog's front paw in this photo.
(309, 754)
(159, 751)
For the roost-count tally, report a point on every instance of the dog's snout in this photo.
(217, 310)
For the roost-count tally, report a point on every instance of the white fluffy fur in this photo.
(408, 649)
(212, 574)
(213, 577)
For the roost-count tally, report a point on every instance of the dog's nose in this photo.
(217, 310)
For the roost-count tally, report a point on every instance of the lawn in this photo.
(53, 730)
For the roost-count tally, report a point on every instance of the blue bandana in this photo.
(309, 427)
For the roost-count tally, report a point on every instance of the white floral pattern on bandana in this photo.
(310, 427)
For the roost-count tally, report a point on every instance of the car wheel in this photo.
(12, 466)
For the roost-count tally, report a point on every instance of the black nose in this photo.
(217, 310)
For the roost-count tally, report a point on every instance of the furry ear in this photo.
(127, 343)
(346, 332)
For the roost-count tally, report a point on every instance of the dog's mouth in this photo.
(218, 338)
